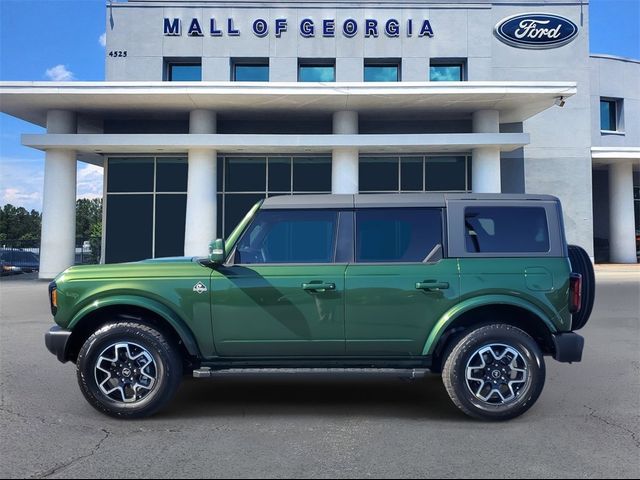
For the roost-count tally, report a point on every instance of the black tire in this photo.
(581, 263)
(162, 375)
(520, 396)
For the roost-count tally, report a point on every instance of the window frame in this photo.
(169, 63)
(443, 237)
(618, 105)
(250, 62)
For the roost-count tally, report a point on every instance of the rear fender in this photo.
(467, 305)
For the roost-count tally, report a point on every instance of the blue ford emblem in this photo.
(536, 30)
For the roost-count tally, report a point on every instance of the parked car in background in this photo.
(14, 261)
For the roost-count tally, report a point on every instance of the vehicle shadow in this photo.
(360, 396)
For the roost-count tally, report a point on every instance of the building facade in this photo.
(209, 106)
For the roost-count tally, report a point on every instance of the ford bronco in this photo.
(477, 288)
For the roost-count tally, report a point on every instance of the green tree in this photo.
(88, 215)
(16, 223)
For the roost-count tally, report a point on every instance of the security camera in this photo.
(559, 101)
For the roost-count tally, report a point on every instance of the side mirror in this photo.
(216, 251)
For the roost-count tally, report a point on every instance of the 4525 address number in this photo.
(118, 53)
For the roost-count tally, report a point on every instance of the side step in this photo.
(411, 373)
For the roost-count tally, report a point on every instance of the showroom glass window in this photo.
(145, 209)
(414, 173)
(244, 180)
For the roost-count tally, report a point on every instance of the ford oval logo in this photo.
(536, 30)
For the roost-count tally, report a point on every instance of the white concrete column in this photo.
(344, 163)
(58, 231)
(200, 222)
(486, 160)
(622, 240)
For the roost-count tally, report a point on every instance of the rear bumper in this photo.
(568, 347)
(56, 340)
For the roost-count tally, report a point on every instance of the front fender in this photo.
(149, 304)
(475, 302)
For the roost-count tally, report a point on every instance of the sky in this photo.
(63, 40)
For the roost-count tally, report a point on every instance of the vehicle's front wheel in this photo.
(128, 370)
(495, 372)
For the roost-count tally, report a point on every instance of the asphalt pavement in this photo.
(586, 424)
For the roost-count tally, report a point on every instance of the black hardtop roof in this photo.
(390, 200)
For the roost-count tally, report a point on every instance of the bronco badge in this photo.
(199, 287)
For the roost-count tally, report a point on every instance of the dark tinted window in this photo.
(236, 206)
(312, 174)
(129, 227)
(130, 175)
(171, 175)
(170, 215)
(246, 174)
(378, 174)
(397, 234)
(445, 174)
(279, 174)
(411, 174)
(289, 236)
(506, 229)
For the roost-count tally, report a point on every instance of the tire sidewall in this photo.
(166, 374)
(512, 337)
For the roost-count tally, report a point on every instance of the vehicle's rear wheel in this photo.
(494, 372)
(128, 370)
(581, 263)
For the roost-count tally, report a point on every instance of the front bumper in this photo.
(568, 347)
(56, 340)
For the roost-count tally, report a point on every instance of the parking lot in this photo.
(586, 423)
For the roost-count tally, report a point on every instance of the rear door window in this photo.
(506, 230)
(390, 235)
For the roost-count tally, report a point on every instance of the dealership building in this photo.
(209, 106)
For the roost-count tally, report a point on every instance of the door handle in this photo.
(431, 286)
(318, 287)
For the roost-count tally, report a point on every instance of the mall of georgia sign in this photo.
(536, 30)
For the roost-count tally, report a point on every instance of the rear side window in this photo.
(289, 236)
(506, 230)
(398, 235)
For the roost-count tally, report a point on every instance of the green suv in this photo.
(478, 288)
